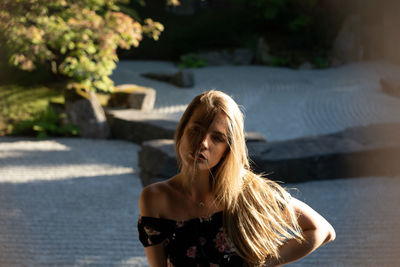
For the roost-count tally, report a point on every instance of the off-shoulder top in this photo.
(195, 242)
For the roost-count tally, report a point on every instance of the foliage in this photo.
(295, 14)
(192, 61)
(321, 62)
(75, 40)
(47, 123)
(277, 61)
(23, 103)
(204, 30)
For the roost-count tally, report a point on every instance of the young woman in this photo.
(216, 211)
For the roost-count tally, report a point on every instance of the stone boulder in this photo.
(157, 161)
(371, 150)
(252, 136)
(263, 54)
(306, 66)
(157, 158)
(183, 78)
(355, 152)
(84, 111)
(391, 86)
(139, 126)
(132, 96)
(348, 45)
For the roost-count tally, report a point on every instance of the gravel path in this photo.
(278, 102)
(73, 202)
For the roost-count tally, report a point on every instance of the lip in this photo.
(199, 157)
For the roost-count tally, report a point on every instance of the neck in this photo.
(196, 184)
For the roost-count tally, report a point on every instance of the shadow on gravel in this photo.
(67, 151)
(74, 222)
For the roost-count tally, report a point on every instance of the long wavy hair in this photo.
(257, 213)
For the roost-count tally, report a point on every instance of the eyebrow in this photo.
(219, 133)
(197, 123)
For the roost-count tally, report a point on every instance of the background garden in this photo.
(49, 48)
(318, 81)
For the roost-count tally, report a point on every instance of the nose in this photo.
(205, 142)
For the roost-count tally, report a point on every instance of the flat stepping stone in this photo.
(360, 151)
(139, 126)
(355, 152)
(132, 96)
(157, 161)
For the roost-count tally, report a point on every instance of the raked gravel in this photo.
(74, 202)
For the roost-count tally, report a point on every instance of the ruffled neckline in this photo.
(200, 219)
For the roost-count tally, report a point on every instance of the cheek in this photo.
(222, 151)
(182, 147)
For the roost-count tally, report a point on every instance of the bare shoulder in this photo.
(153, 199)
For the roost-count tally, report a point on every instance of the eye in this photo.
(194, 129)
(218, 138)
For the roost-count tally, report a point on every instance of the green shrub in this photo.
(47, 123)
(279, 61)
(19, 103)
(25, 102)
(192, 61)
(75, 40)
(321, 62)
(293, 15)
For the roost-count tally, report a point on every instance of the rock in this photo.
(157, 158)
(157, 161)
(263, 55)
(306, 66)
(133, 96)
(348, 46)
(139, 126)
(391, 86)
(238, 56)
(242, 56)
(254, 137)
(84, 111)
(355, 152)
(184, 78)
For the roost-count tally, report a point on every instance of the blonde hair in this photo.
(258, 215)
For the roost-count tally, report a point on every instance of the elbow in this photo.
(330, 234)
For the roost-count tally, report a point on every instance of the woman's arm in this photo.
(316, 232)
(156, 255)
(149, 205)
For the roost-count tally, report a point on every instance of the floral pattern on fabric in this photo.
(197, 242)
(222, 243)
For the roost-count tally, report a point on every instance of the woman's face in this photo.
(212, 137)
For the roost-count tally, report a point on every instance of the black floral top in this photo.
(195, 242)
